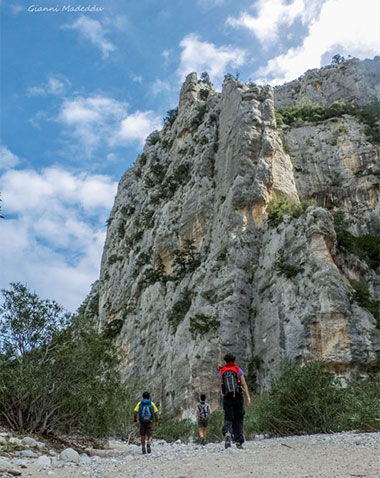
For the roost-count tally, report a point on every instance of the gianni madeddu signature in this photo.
(65, 9)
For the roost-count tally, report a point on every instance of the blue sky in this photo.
(80, 91)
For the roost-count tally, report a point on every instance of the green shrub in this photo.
(279, 119)
(142, 159)
(222, 256)
(369, 115)
(362, 297)
(198, 118)
(366, 247)
(180, 177)
(286, 148)
(121, 229)
(154, 138)
(280, 206)
(147, 218)
(301, 400)
(252, 417)
(157, 172)
(340, 130)
(362, 404)
(173, 430)
(113, 258)
(128, 210)
(112, 329)
(186, 259)
(203, 94)
(167, 143)
(152, 275)
(57, 374)
(211, 296)
(171, 116)
(201, 324)
(215, 425)
(287, 270)
(143, 259)
(179, 310)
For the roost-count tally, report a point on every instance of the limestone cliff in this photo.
(192, 267)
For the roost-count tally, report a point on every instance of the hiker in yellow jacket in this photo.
(145, 412)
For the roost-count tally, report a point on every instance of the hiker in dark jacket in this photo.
(231, 386)
(203, 412)
(145, 412)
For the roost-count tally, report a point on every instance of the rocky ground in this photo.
(342, 455)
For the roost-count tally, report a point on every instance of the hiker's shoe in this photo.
(143, 450)
(148, 448)
(227, 442)
(203, 441)
(240, 446)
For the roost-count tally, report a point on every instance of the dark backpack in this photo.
(231, 383)
(203, 410)
(146, 411)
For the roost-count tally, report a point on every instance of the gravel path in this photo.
(342, 455)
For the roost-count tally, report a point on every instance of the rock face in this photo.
(192, 268)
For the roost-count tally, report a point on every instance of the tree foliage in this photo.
(280, 206)
(56, 372)
(369, 115)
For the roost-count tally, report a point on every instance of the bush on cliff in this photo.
(56, 372)
(280, 206)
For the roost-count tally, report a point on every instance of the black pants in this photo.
(233, 417)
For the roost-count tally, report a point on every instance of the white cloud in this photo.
(166, 54)
(54, 232)
(202, 56)
(137, 79)
(7, 158)
(137, 126)
(36, 91)
(55, 85)
(92, 120)
(100, 120)
(159, 86)
(271, 15)
(343, 26)
(93, 31)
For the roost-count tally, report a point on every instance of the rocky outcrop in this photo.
(192, 267)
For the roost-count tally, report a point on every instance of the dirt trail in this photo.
(341, 455)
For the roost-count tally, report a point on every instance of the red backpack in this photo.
(230, 380)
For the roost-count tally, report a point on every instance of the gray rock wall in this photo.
(190, 268)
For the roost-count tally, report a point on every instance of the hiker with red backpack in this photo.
(203, 412)
(231, 386)
(145, 412)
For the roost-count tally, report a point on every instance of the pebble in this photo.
(29, 441)
(27, 454)
(69, 455)
(162, 452)
(43, 462)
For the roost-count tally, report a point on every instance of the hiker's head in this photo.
(146, 395)
(203, 397)
(229, 358)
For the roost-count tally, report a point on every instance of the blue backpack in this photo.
(146, 411)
